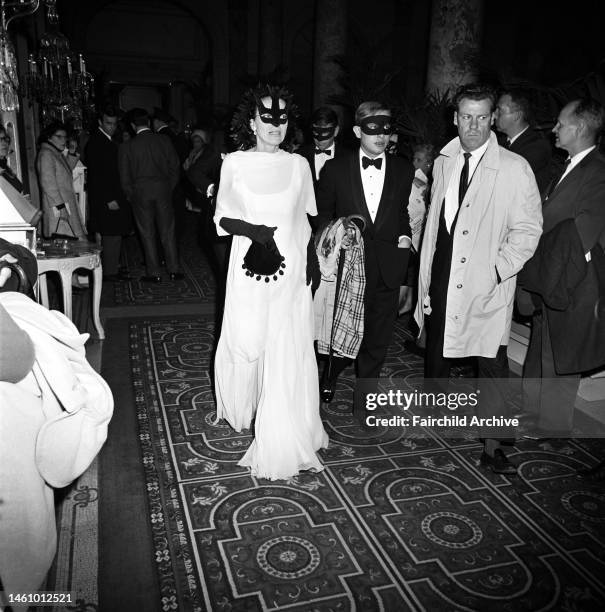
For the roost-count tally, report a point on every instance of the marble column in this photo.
(455, 43)
(331, 29)
(270, 28)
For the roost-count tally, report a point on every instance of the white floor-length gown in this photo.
(265, 363)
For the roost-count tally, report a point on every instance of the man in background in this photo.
(149, 171)
(513, 116)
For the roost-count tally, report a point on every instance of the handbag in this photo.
(263, 261)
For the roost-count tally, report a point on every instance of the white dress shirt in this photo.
(451, 195)
(511, 140)
(322, 158)
(372, 180)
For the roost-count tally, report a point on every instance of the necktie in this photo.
(463, 185)
(320, 151)
(366, 161)
(557, 179)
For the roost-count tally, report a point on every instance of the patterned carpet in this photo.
(393, 523)
(198, 286)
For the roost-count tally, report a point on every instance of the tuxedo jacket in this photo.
(308, 152)
(340, 194)
(537, 151)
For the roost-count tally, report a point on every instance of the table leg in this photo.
(97, 280)
(65, 276)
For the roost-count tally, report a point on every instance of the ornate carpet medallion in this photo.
(397, 520)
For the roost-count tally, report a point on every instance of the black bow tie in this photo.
(366, 161)
(324, 151)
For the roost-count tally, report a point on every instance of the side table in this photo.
(65, 262)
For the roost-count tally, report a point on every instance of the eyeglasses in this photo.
(5, 139)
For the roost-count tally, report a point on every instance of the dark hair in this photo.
(520, 100)
(475, 91)
(367, 109)
(591, 113)
(324, 114)
(139, 116)
(50, 129)
(109, 110)
(428, 149)
(241, 132)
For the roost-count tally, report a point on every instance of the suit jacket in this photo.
(178, 142)
(580, 196)
(498, 228)
(537, 151)
(103, 184)
(308, 152)
(149, 166)
(340, 194)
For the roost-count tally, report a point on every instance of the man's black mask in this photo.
(376, 124)
(275, 115)
(321, 132)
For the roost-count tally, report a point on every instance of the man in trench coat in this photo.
(484, 222)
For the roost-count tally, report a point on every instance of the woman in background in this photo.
(55, 173)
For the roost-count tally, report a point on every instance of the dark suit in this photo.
(149, 171)
(579, 196)
(340, 194)
(103, 185)
(537, 151)
(308, 152)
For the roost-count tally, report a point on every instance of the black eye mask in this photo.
(275, 115)
(376, 124)
(323, 133)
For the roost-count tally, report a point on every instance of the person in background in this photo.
(5, 170)
(324, 126)
(424, 154)
(149, 171)
(55, 173)
(513, 119)
(110, 214)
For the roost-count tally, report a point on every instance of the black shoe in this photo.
(411, 347)
(499, 463)
(151, 279)
(174, 276)
(593, 474)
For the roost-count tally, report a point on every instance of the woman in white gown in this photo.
(265, 365)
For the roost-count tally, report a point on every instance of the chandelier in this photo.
(57, 79)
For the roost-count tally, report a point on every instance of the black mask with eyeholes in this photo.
(321, 132)
(376, 124)
(274, 115)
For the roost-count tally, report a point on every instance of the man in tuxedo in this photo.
(513, 115)
(149, 171)
(561, 351)
(324, 124)
(370, 183)
(110, 214)
(483, 224)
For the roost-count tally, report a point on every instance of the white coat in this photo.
(498, 228)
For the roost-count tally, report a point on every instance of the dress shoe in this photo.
(174, 276)
(151, 279)
(594, 474)
(499, 463)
